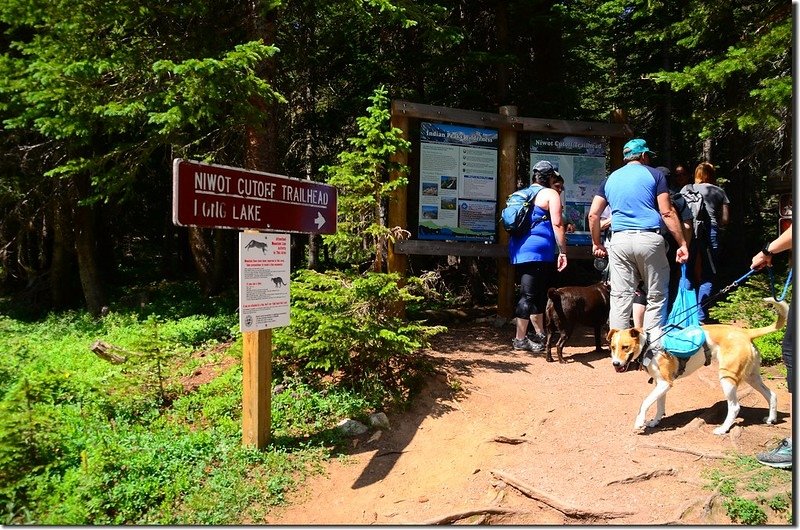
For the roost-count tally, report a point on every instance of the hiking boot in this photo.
(780, 457)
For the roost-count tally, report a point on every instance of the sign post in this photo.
(215, 196)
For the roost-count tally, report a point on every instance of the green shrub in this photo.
(745, 511)
(347, 324)
(300, 410)
(745, 305)
(780, 503)
(87, 442)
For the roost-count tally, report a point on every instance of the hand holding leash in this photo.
(764, 257)
(682, 254)
(599, 250)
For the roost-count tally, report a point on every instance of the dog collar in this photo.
(648, 356)
(647, 352)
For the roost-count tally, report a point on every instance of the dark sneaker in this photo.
(780, 457)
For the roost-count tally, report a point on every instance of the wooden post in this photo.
(256, 387)
(506, 186)
(398, 204)
(398, 207)
(617, 143)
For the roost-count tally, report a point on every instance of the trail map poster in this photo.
(457, 183)
(582, 163)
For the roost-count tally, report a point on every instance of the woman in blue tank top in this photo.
(536, 256)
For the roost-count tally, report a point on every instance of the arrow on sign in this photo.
(319, 221)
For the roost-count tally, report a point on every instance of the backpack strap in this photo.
(535, 189)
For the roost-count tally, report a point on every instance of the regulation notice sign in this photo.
(263, 281)
(214, 196)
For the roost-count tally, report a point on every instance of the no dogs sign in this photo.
(263, 281)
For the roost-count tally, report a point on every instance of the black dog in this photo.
(570, 306)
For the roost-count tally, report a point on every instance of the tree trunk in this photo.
(308, 162)
(202, 255)
(666, 156)
(63, 252)
(503, 47)
(85, 248)
(262, 139)
(222, 244)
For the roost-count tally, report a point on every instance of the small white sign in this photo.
(263, 281)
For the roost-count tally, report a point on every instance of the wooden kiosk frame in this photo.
(509, 126)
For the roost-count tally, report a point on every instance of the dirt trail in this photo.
(494, 416)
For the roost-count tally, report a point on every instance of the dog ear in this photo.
(635, 332)
(611, 333)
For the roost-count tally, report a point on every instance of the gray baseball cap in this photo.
(545, 167)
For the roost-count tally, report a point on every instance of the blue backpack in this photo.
(516, 216)
(684, 335)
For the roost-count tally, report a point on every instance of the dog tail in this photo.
(782, 308)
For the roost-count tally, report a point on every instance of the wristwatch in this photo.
(766, 251)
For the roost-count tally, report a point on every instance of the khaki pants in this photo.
(633, 257)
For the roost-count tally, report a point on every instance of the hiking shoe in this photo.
(521, 344)
(526, 345)
(539, 338)
(780, 457)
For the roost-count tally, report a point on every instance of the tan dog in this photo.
(738, 361)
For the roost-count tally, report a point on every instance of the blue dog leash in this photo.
(732, 286)
(785, 285)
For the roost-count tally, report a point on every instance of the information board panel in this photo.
(582, 162)
(458, 183)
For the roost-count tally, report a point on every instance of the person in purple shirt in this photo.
(639, 199)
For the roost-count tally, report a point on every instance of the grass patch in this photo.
(87, 442)
(752, 494)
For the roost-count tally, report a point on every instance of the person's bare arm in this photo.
(670, 217)
(559, 228)
(783, 242)
(598, 205)
(688, 232)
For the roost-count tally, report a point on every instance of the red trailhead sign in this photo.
(213, 196)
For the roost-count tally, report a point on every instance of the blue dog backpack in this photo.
(684, 336)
